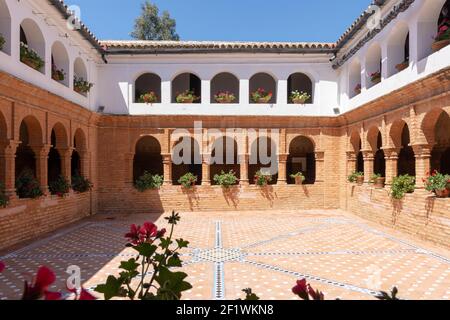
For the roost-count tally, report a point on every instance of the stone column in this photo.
(206, 169)
(66, 163)
(129, 167)
(368, 157)
(422, 154)
(320, 161)
(351, 162)
(282, 174)
(8, 161)
(243, 160)
(167, 168)
(41, 156)
(85, 157)
(391, 157)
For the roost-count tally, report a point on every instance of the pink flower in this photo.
(44, 278)
(301, 289)
(2, 267)
(85, 295)
(149, 230)
(134, 235)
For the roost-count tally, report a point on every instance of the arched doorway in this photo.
(263, 157)
(186, 158)
(302, 159)
(440, 157)
(147, 157)
(224, 157)
(406, 161)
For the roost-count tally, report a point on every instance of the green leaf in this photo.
(174, 261)
(172, 284)
(130, 265)
(182, 243)
(111, 288)
(146, 249)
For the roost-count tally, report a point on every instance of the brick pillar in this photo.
(351, 162)
(422, 154)
(66, 163)
(243, 159)
(129, 167)
(85, 157)
(320, 161)
(8, 163)
(391, 157)
(41, 156)
(282, 175)
(206, 170)
(368, 165)
(167, 167)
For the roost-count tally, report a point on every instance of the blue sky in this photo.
(243, 20)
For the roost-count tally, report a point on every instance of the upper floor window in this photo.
(263, 89)
(147, 88)
(186, 88)
(5, 28)
(225, 88)
(300, 89)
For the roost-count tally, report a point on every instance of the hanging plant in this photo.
(4, 200)
(261, 96)
(148, 181)
(81, 86)
(81, 184)
(30, 57)
(188, 180)
(262, 179)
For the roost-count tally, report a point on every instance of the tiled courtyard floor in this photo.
(340, 254)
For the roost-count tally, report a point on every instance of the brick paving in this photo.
(340, 254)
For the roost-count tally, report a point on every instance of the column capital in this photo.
(422, 150)
(391, 152)
(351, 155)
(9, 147)
(320, 155)
(67, 151)
(368, 155)
(283, 157)
(42, 150)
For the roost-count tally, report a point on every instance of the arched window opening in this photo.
(225, 88)
(5, 27)
(263, 89)
(224, 157)
(398, 49)
(75, 164)
(148, 89)
(79, 145)
(186, 158)
(264, 158)
(147, 158)
(186, 88)
(60, 64)
(302, 159)
(30, 134)
(373, 65)
(3, 137)
(54, 161)
(80, 77)
(406, 160)
(32, 45)
(300, 83)
(440, 158)
(379, 161)
(354, 79)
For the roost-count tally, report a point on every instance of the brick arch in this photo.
(229, 159)
(195, 163)
(3, 128)
(395, 132)
(372, 138)
(62, 140)
(147, 157)
(80, 140)
(355, 141)
(429, 123)
(34, 130)
(302, 159)
(309, 137)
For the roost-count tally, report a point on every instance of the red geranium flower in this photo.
(134, 235)
(301, 289)
(44, 278)
(149, 230)
(2, 267)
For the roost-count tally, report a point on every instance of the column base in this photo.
(282, 183)
(244, 183)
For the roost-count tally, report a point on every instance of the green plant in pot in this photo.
(30, 57)
(2, 41)
(375, 77)
(59, 187)
(261, 96)
(402, 185)
(438, 183)
(226, 180)
(148, 98)
(442, 38)
(299, 178)
(148, 181)
(81, 86)
(81, 184)
(188, 180)
(27, 186)
(356, 177)
(378, 180)
(224, 97)
(58, 74)
(4, 200)
(187, 96)
(299, 97)
(262, 179)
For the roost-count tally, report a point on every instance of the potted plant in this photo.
(148, 98)
(2, 41)
(375, 77)
(402, 66)
(59, 187)
(30, 57)
(402, 185)
(81, 184)
(187, 96)
(439, 184)
(378, 181)
(357, 177)
(358, 89)
(58, 75)
(27, 186)
(226, 180)
(299, 178)
(188, 180)
(261, 96)
(262, 179)
(224, 97)
(299, 97)
(4, 200)
(81, 86)
(148, 181)
(442, 39)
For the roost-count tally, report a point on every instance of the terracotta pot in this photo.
(30, 63)
(264, 100)
(358, 91)
(438, 45)
(298, 101)
(380, 183)
(442, 193)
(402, 66)
(223, 101)
(376, 80)
(298, 180)
(360, 181)
(188, 101)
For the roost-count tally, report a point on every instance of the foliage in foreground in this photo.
(27, 186)
(402, 185)
(59, 187)
(226, 180)
(148, 181)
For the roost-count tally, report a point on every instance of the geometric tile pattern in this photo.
(340, 254)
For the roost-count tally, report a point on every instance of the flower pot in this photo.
(298, 180)
(264, 100)
(379, 183)
(402, 66)
(357, 91)
(299, 101)
(32, 64)
(360, 181)
(442, 193)
(224, 101)
(188, 100)
(376, 80)
(438, 45)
